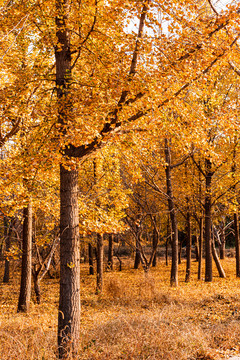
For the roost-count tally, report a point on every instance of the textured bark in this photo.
(69, 300)
(188, 248)
(173, 218)
(200, 249)
(110, 252)
(99, 254)
(25, 288)
(237, 243)
(208, 222)
(90, 259)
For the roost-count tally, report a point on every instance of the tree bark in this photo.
(69, 299)
(200, 249)
(154, 240)
(99, 254)
(188, 248)
(137, 260)
(25, 289)
(169, 239)
(90, 259)
(173, 218)
(110, 252)
(7, 235)
(166, 252)
(37, 288)
(223, 243)
(180, 252)
(208, 222)
(237, 243)
(197, 248)
(217, 261)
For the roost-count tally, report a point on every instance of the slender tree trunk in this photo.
(110, 252)
(236, 216)
(25, 289)
(180, 252)
(173, 218)
(217, 261)
(166, 252)
(208, 222)
(99, 254)
(120, 261)
(154, 240)
(223, 244)
(188, 248)
(200, 249)
(137, 260)
(237, 243)
(169, 239)
(90, 259)
(7, 235)
(83, 250)
(37, 288)
(197, 249)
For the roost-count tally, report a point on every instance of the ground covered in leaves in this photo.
(137, 317)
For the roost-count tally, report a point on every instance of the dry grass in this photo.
(137, 317)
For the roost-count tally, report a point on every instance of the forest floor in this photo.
(137, 317)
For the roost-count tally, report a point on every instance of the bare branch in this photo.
(213, 8)
(233, 66)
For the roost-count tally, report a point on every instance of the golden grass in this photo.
(137, 317)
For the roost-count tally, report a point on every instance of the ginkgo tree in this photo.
(97, 76)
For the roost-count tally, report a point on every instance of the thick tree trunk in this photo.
(200, 249)
(208, 222)
(90, 259)
(188, 248)
(217, 261)
(110, 252)
(69, 300)
(99, 254)
(173, 218)
(237, 243)
(25, 289)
